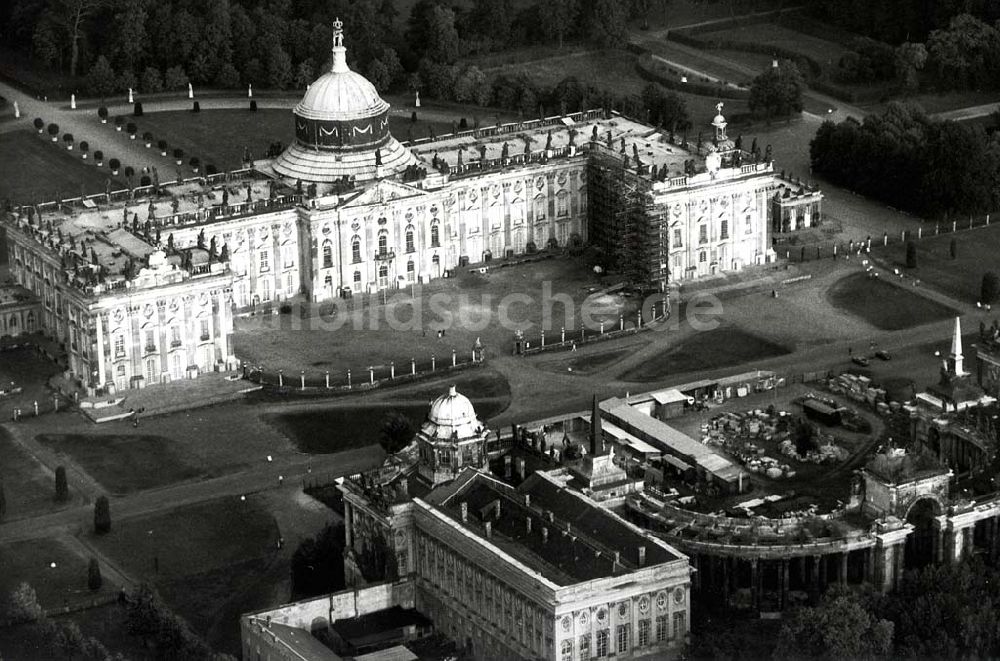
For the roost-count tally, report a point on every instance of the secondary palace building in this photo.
(140, 285)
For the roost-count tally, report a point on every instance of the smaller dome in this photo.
(719, 120)
(452, 416)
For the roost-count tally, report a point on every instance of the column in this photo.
(100, 349)
(870, 564)
(938, 541)
(348, 522)
(899, 551)
(696, 578)
(842, 574)
(968, 545)
(222, 336)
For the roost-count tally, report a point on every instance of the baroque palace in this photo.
(140, 285)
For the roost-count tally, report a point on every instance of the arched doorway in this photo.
(919, 551)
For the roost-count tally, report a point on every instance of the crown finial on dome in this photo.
(339, 52)
(452, 391)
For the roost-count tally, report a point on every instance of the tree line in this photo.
(110, 45)
(910, 161)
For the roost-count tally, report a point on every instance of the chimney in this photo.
(404, 486)
(642, 556)
(465, 512)
(527, 500)
(489, 530)
(506, 467)
(596, 435)
(618, 557)
(496, 509)
(527, 521)
(545, 535)
(551, 516)
(520, 468)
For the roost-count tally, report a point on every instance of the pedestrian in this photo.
(281, 480)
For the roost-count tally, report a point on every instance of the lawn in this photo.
(218, 136)
(827, 53)
(31, 562)
(191, 540)
(341, 336)
(36, 170)
(124, 463)
(721, 347)
(331, 430)
(883, 304)
(976, 253)
(28, 487)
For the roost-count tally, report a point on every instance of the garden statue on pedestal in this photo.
(504, 152)
(131, 97)
(416, 100)
(249, 90)
(482, 153)
(72, 101)
(17, 111)
(190, 91)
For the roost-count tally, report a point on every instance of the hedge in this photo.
(647, 69)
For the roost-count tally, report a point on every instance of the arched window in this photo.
(562, 204)
(409, 239)
(356, 249)
(383, 243)
(435, 235)
(327, 254)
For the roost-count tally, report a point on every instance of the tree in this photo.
(471, 86)
(840, 627)
(911, 255)
(436, 25)
(101, 77)
(102, 515)
(558, 18)
(317, 565)
(45, 44)
(128, 35)
(396, 432)
(152, 80)
(606, 23)
(175, 79)
(777, 92)
(23, 606)
(385, 70)
(62, 489)
(910, 58)
(990, 288)
(666, 107)
(492, 20)
(966, 53)
(94, 579)
(72, 17)
(68, 639)
(279, 67)
(805, 437)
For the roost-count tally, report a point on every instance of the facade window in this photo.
(435, 235)
(622, 639)
(328, 281)
(175, 336)
(662, 628)
(121, 370)
(289, 253)
(562, 205)
(383, 244)
(703, 234)
(680, 624)
(265, 290)
(204, 329)
(749, 222)
(150, 371)
(602, 642)
(327, 255)
(119, 342)
(677, 239)
(702, 257)
(435, 259)
(410, 270)
(409, 240)
(355, 250)
(290, 284)
(357, 278)
(150, 341)
(567, 650)
(585, 647)
(643, 633)
(265, 258)
(724, 230)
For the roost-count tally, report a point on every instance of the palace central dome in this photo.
(451, 416)
(342, 129)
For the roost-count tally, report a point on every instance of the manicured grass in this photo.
(124, 463)
(479, 384)
(467, 307)
(191, 540)
(960, 277)
(36, 170)
(64, 584)
(883, 304)
(218, 137)
(29, 488)
(827, 53)
(332, 430)
(721, 347)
